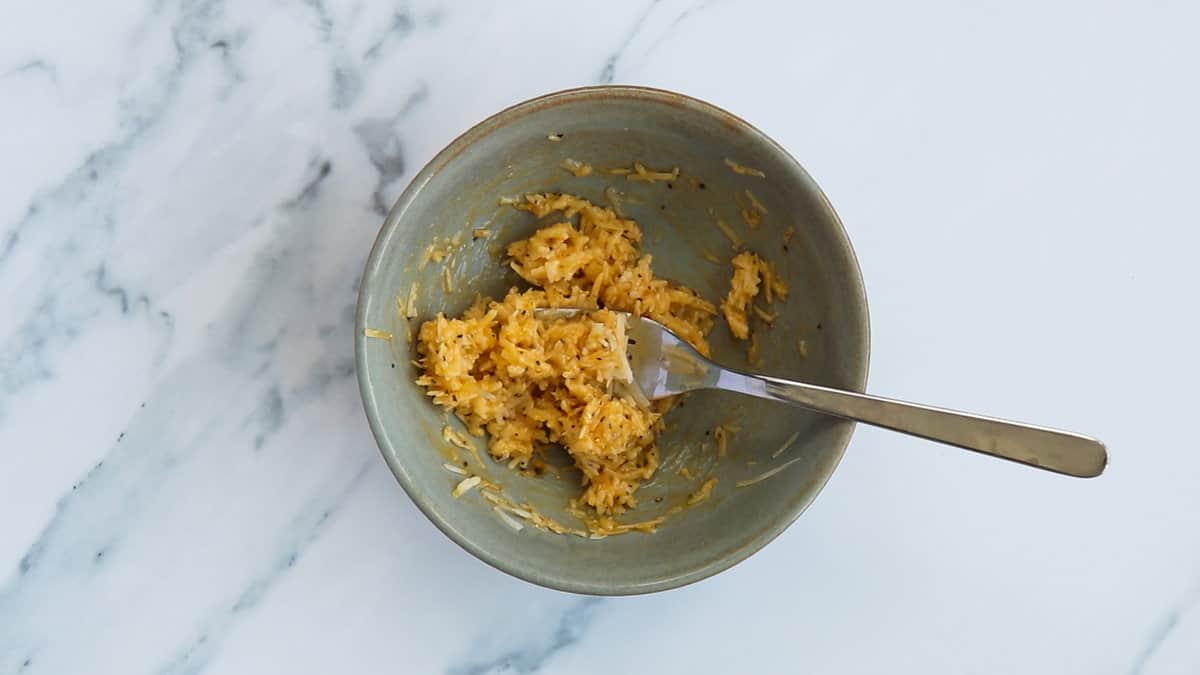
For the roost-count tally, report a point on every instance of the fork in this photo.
(663, 365)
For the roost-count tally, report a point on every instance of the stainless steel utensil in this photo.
(664, 365)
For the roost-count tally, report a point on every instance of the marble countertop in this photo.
(189, 191)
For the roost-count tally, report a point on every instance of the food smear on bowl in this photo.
(530, 382)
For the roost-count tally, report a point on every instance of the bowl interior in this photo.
(611, 127)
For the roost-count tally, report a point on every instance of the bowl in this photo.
(521, 150)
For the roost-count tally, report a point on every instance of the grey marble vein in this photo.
(71, 225)
(57, 318)
(35, 67)
(345, 78)
(323, 17)
(381, 139)
(306, 528)
(530, 658)
(401, 26)
(678, 21)
(101, 503)
(609, 70)
(308, 192)
(268, 417)
(228, 47)
(350, 67)
(1164, 629)
(103, 509)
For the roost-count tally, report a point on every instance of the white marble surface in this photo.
(187, 195)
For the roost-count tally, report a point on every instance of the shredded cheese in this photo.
(507, 519)
(641, 173)
(742, 289)
(721, 434)
(756, 205)
(750, 209)
(464, 486)
(786, 444)
(728, 231)
(768, 474)
(457, 439)
(743, 170)
(703, 493)
(750, 274)
(576, 167)
(438, 251)
(752, 355)
(787, 236)
(763, 314)
(411, 311)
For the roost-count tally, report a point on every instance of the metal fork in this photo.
(664, 365)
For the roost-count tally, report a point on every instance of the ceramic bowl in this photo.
(520, 150)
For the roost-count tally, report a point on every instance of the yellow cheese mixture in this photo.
(530, 382)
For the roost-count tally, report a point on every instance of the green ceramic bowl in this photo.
(607, 127)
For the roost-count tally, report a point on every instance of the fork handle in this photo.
(1059, 451)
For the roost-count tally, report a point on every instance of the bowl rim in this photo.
(370, 405)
